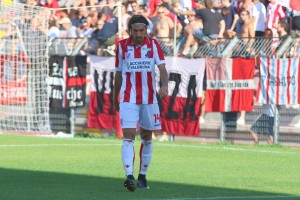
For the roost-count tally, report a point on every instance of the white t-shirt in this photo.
(259, 12)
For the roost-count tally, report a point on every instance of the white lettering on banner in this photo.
(73, 71)
(56, 94)
(74, 94)
(12, 92)
(229, 84)
(138, 65)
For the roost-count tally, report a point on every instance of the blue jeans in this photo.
(198, 33)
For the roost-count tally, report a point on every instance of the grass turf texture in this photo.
(44, 168)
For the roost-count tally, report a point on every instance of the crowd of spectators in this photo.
(195, 21)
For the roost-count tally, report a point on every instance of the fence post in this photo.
(119, 11)
(72, 122)
(276, 125)
(222, 128)
(175, 37)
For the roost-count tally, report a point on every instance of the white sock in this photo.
(145, 155)
(128, 156)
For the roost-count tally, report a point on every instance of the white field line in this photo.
(232, 149)
(237, 197)
(54, 145)
(119, 143)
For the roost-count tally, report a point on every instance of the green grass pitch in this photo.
(48, 168)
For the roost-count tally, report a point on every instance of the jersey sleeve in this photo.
(119, 58)
(159, 57)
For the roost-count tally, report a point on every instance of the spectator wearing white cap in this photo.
(67, 30)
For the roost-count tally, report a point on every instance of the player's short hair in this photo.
(137, 19)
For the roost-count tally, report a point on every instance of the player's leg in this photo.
(149, 121)
(128, 123)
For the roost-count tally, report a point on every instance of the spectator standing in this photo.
(52, 4)
(217, 5)
(67, 30)
(133, 8)
(125, 19)
(264, 123)
(163, 29)
(230, 15)
(153, 5)
(275, 13)
(294, 23)
(259, 17)
(150, 28)
(172, 16)
(134, 82)
(54, 31)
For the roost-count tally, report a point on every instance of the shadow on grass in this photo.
(31, 185)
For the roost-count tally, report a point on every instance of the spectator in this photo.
(153, 5)
(133, 8)
(247, 5)
(217, 5)
(265, 123)
(275, 13)
(283, 29)
(74, 16)
(150, 28)
(105, 37)
(52, 4)
(248, 30)
(259, 18)
(231, 17)
(94, 17)
(54, 31)
(125, 19)
(163, 29)
(185, 5)
(213, 24)
(295, 23)
(194, 24)
(84, 14)
(84, 30)
(67, 30)
(172, 16)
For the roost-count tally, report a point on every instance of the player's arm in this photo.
(163, 92)
(118, 77)
(117, 87)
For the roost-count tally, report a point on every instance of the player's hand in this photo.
(163, 92)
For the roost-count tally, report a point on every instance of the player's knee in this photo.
(146, 134)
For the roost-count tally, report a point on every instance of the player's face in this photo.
(138, 33)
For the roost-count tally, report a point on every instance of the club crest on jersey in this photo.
(127, 55)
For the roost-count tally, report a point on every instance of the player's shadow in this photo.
(36, 185)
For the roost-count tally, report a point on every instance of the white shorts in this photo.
(146, 116)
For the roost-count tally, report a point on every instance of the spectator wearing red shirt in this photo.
(52, 4)
(153, 4)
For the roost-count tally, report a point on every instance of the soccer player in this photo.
(136, 58)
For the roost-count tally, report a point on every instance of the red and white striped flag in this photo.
(293, 4)
(230, 85)
(278, 81)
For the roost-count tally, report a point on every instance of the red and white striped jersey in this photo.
(275, 13)
(137, 64)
